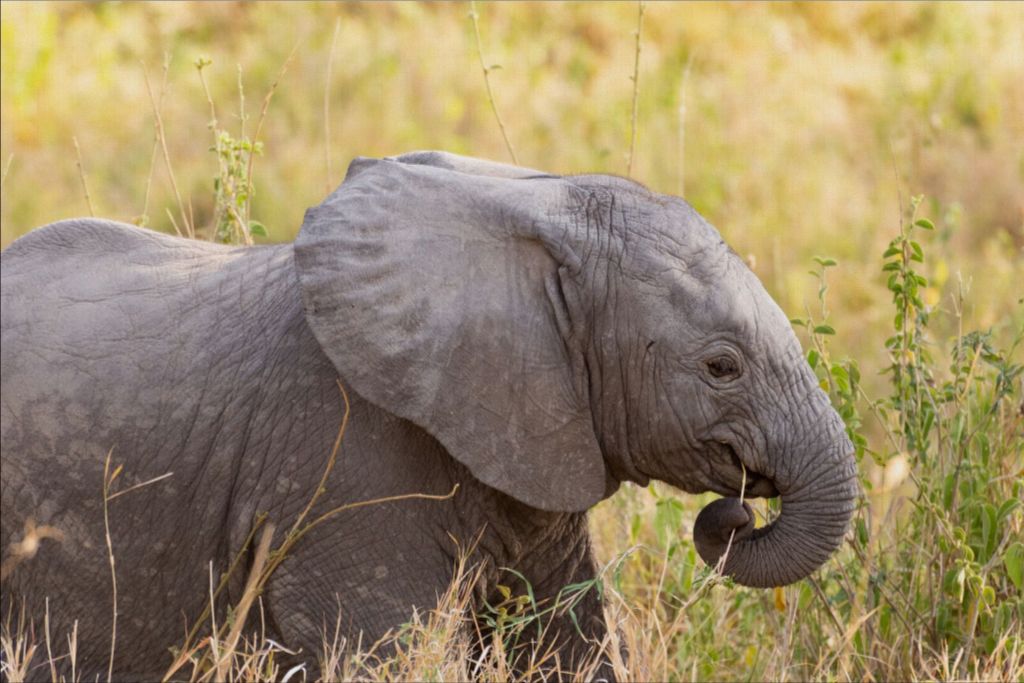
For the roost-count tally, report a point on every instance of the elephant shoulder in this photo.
(87, 237)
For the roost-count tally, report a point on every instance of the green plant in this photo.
(232, 186)
(945, 579)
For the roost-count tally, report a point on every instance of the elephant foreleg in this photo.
(563, 628)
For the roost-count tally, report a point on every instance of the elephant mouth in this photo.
(731, 477)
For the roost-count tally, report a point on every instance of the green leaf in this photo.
(824, 329)
(989, 526)
(924, 223)
(668, 518)
(854, 372)
(918, 254)
(895, 265)
(634, 528)
(842, 378)
(947, 491)
(1008, 507)
(953, 583)
(862, 533)
(891, 251)
(812, 358)
(257, 229)
(1014, 561)
(824, 262)
(799, 322)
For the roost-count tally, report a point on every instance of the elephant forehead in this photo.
(705, 285)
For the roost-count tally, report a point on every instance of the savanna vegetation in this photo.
(866, 159)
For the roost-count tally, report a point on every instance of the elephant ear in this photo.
(432, 286)
(456, 162)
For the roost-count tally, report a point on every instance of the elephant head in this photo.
(560, 335)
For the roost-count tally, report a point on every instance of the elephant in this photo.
(535, 339)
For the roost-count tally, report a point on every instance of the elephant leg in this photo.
(570, 620)
(363, 588)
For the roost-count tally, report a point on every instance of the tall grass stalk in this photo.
(81, 176)
(638, 34)
(329, 179)
(161, 138)
(474, 17)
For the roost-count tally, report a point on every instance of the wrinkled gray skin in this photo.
(535, 339)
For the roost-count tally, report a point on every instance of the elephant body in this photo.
(269, 432)
(533, 339)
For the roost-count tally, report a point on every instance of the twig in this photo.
(327, 107)
(636, 87)
(143, 219)
(256, 137)
(7, 168)
(186, 649)
(375, 501)
(241, 102)
(159, 124)
(828, 608)
(330, 462)
(174, 223)
(212, 640)
(73, 648)
(139, 486)
(46, 633)
(720, 565)
(81, 176)
(108, 479)
(252, 588)
(682, 125)
(200, 64)
(487, 82)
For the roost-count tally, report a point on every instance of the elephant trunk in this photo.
(816, 509)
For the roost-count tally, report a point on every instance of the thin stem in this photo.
(139, 486)
(487, 83)
(213, 125)
(256, 137)
(108, 479)
(682, 126)
(46, 633)
(327, 108)
(7, 168)
(143, 218)
(252, 588)
(321, 485)
(81, 176)
(720, 566)
(159, 123)
(241, 102)
(636, 88)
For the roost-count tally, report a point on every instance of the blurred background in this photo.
(794, 129)
(799, 130)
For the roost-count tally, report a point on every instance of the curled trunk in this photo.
(816, 510)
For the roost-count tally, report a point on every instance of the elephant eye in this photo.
(723, 366)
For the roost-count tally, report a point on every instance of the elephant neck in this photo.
(287, 395)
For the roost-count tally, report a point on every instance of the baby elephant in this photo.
(534, 339)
